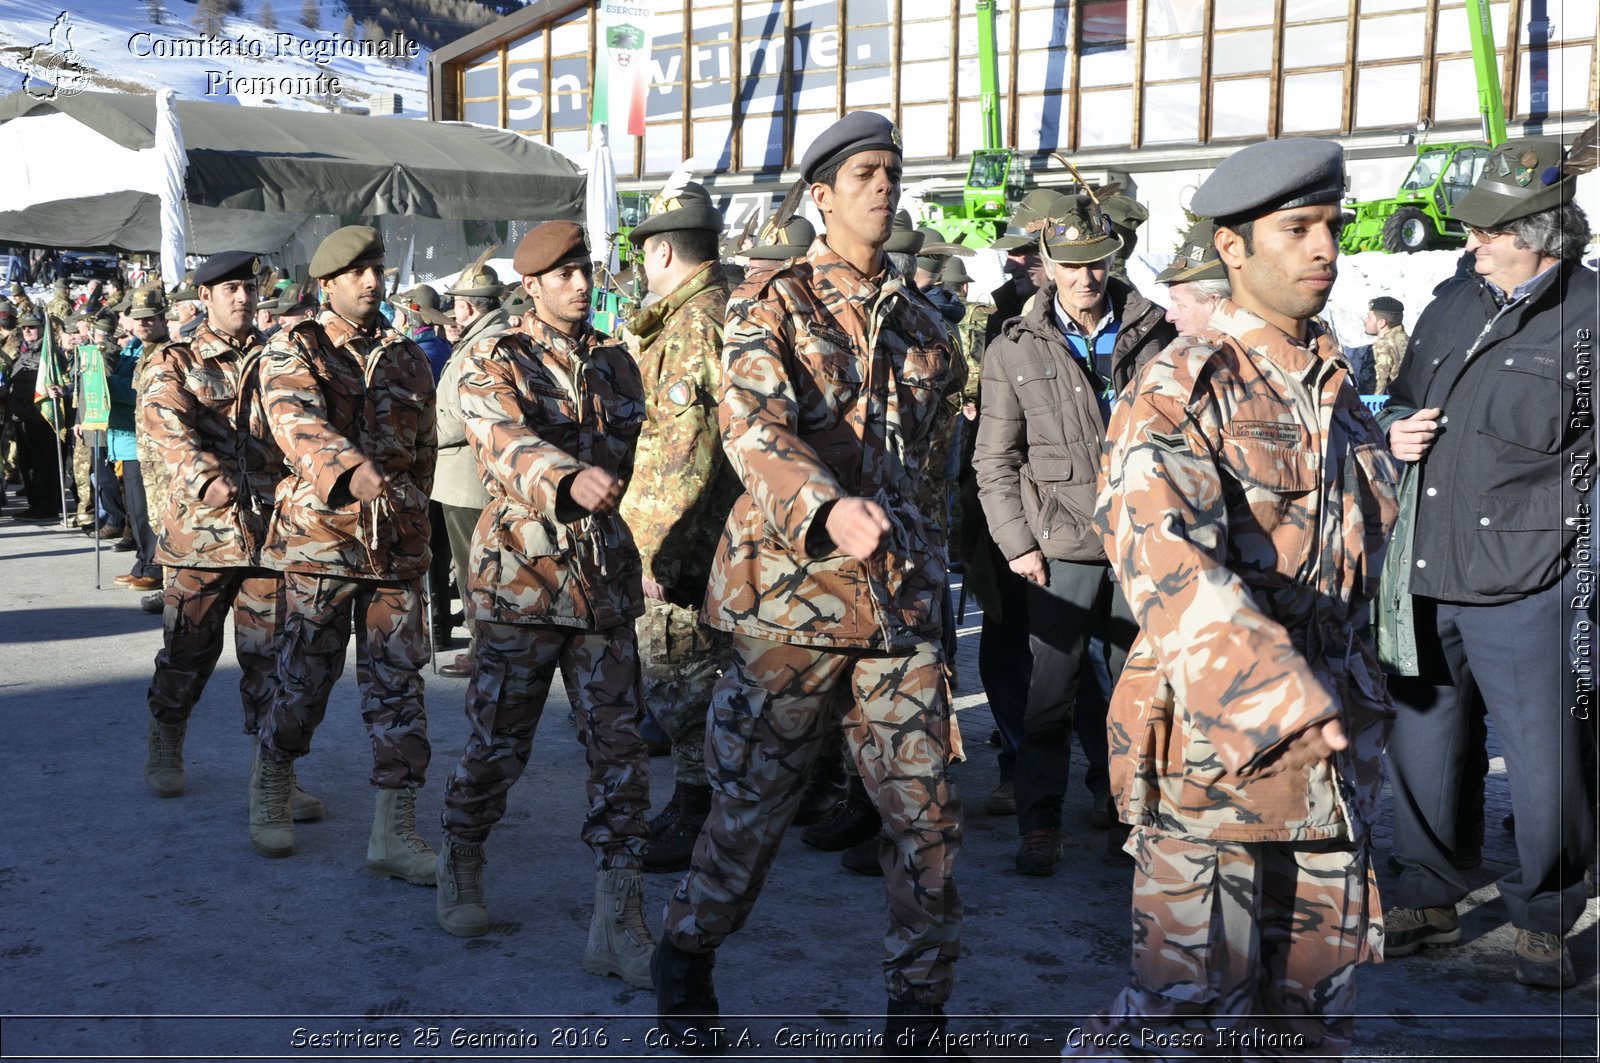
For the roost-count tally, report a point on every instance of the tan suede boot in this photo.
(462, 907)
(619, 941)
(271, 829)
(163, 761)
(302, 806)
(395, 849)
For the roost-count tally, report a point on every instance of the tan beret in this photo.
(346, 247)
(547, 246)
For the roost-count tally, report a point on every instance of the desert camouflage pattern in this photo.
(770, 716)
(203, 414)
(391, 649)
(1246, 498)
(832, 386)
(510, 683)
(971, 332)
(82, 471)
(682, 488)
(1237, 941)
(153, 470)
(539, 407)
(1388, 351)
(196, 606)
(336, 397)
(680, 662)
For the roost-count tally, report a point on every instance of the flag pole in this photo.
(94, 507)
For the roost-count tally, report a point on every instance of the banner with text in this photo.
(622, 69)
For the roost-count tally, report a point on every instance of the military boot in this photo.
(271, 829)
(852, 821)
(916, 1030)
(302, 806)
(619, 941)
(825, 786)
(395, 849)
(462, 907)
(662, 821)
(163, 760)
(671, 849)
(686, 999)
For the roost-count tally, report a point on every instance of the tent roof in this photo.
(303, 162)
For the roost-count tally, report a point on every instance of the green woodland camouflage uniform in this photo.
(552, 584)
(202, 413)
(832, 385)
(1246, 499)
(1388, 350)
(335, 398)
(676, 505)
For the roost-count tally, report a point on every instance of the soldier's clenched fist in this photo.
(596, 490)
(857, 526)
(367, 482)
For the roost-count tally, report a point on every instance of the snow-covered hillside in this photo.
(118, 47)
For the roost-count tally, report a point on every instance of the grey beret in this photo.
(1271, 176)
(856, 132)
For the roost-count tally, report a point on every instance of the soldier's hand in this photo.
(1310, 746)
(969, 410)
(219, 492)
(654, 590)
(596, 490)
(1410, 438)
(1031, 567)
(858, 526)
(366, 482)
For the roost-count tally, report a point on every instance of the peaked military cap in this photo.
(856, 132)
(689, 207)
(227, 266)
(30, 319)
(1387, 304)
(353, 245)
(791, 241)
(1272, 176)
(904, 238)
(149, 301)
(1520, 177)
(547, 246)
(1198, 259)
(954, 272)
(1028, 219)
(1076, 232)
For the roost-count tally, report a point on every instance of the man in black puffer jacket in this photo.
(1048, 382)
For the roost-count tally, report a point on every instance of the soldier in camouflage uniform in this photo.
(552, 411)
(830, 577)
(349, 401)
(681, 492)
(203, 416)
(144, 475)
(1383, 324)
(1247, 496)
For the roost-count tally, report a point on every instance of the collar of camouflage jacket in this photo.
(839, 279)
(207, 342)
(342, 332)
(649, 322)
(1255, 334)
(544, 335)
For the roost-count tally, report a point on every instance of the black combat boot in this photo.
(916, 1031)
(825, 786)
(686, 1001)
(851, 822)
(671, 849)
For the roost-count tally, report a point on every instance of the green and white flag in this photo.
(96, 392)
(622, 69)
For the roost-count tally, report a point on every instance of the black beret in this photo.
(856, 132)
(346, 247)
(547, 246)
(689, 207)
(227, 266)
(1387, 304)
(1272, 176)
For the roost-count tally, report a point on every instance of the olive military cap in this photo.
(1520, 177)
(791, 241)
(1198, 260)
(1076, 232)
(904, 238)
(1272, 176)
(856, 132)
(1027, 219)
(689, 207)
(1124, 211)
(954, 272)
(353, 245)
(149, 301)
(424, 302)
(482, 282)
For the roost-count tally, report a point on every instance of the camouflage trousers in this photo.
(680, 661)
(391, 649)
(510, 683)
(1248, 948)
(82, 472)
(771, 713)
(198, 601)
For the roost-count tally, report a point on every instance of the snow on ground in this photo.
(120, 49)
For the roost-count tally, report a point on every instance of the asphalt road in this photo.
(135, 927)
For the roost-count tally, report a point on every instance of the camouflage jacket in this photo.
(1388, 351)
(201, 409)
(457, 481)
(540, 407)
(1246, 499)
(337, 397)
(682, 487)
(832, 383)
(153, 467)
(972, 332)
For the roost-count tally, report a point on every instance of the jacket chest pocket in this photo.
(549, 405)
(213, 387)
(1527, 401)
(1276, 480)
(924, 373)
(402, 411)
(834, 373)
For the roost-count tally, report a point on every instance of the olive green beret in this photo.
(350, 246)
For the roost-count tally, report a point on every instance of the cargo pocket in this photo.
(1181, 914)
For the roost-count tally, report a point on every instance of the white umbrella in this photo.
(175, 164)
(601, 206)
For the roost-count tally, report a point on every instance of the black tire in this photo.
(1408, 229)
